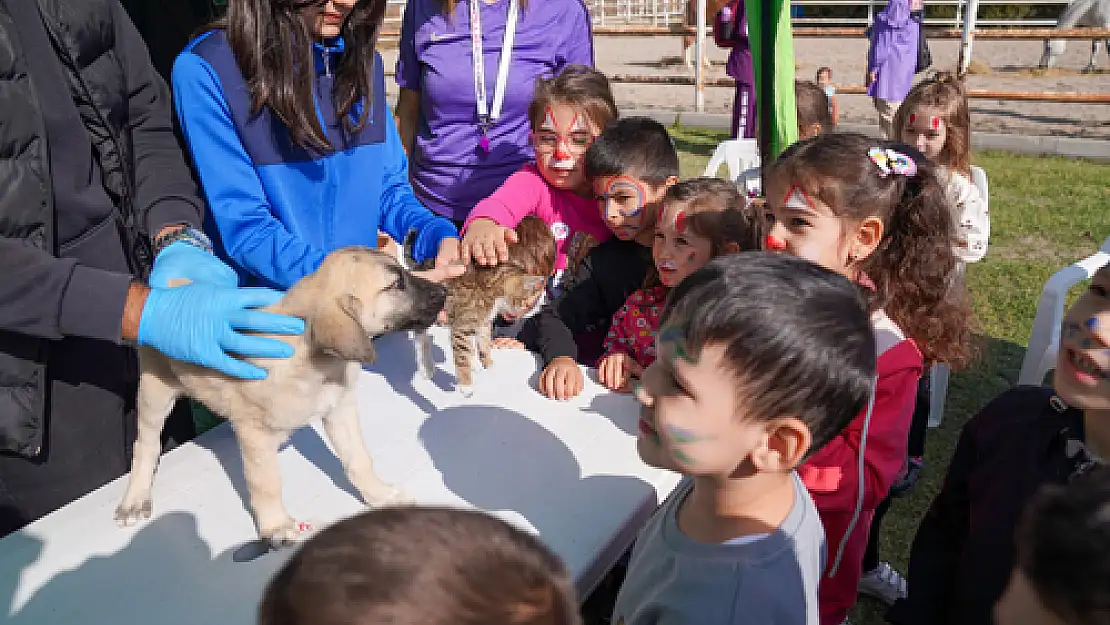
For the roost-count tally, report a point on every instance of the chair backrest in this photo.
(979, 179)
(738, 154)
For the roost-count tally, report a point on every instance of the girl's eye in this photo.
(770, 217)
(658, 236)
(581, 139)
(1098, 289)
(682, 241)
(798, 222)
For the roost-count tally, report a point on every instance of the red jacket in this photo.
(833, 474)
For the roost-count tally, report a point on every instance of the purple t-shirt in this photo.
(450, 174)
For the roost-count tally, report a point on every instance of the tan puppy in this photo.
(355, 295)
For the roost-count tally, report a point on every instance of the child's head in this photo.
(874, 211)
(935, 119)
(1062, 576)
(824, 75)
(763, 358)
(421, 566)
(814, 115)
(702, 218)
(567, 113)
(631, 165)
(1082, 377)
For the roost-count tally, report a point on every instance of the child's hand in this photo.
(615, 371)
(506, 342)
(561, 379)
(487, 242)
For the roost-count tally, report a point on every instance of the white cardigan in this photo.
(969, 210)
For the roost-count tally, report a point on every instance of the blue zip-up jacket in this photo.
(275, 208)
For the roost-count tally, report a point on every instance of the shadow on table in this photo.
(137, 584)
(498, 460)
(403, 367)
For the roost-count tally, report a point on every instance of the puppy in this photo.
(355, 295)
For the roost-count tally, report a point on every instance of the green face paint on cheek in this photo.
(682, 456)
(673, 335)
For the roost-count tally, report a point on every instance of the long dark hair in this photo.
(912, 268)
(271, 40)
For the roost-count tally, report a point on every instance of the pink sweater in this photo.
(571, 216)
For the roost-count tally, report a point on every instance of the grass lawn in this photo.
(1045, 213)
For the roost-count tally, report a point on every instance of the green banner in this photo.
(775, 56)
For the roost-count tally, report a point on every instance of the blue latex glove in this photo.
(201, 324)
(182, 260)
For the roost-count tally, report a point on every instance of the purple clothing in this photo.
(739, 67)
(893, 52)
(449, 173)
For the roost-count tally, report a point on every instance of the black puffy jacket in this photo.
(51, 288)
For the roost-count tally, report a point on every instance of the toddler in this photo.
(632, 164)
(762, 359)
(701, 219)
(421, 566)
(824, 80)
(1027, 437)
(813, 109)
(567, 114)
(875, 213)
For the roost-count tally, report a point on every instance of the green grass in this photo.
(1045, 213)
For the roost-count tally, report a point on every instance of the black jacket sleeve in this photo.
(165, 193)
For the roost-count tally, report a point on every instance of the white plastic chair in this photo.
(1045, 339)
(938, 383)
(738, 154)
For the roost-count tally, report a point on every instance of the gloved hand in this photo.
(182, 260)
(201, 324)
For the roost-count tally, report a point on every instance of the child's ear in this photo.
(670, 182)
(868, 235)
(788, 440)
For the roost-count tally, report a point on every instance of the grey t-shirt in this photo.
(769, 580)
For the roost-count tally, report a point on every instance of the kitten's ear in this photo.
(336, 330)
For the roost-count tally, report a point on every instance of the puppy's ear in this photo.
(336, 330)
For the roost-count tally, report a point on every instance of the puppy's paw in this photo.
(130, 513)
(466, 390)
(392, 497)
(289, 533)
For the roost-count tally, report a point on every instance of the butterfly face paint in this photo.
(560, 141)
(622, 201)
(678, 251)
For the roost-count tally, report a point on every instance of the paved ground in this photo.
(1011, 68)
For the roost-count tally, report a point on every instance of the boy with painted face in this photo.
(763, 358)
(631, 166)
(1027, 437)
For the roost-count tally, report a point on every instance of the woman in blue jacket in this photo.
(282, 105)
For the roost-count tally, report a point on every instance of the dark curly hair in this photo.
(913, 267)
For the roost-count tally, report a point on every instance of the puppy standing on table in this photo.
(762, 360)
(356, 295)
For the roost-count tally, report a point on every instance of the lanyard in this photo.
(486, 115)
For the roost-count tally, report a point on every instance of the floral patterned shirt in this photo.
(634, 325)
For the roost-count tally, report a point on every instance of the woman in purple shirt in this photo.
(458, 156)
(891, 60)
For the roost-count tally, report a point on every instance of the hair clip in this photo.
(892, 162)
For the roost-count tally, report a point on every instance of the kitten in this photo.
(476, 298)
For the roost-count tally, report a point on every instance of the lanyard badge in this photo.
(487, 115)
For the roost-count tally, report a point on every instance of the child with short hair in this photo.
(762, 359)
(824, 80)
(702, 219)
(421, 566)
(1062, 574)
(567, 114)
(875, 213)
(813, 109)
(1025, 438)
(631, 166)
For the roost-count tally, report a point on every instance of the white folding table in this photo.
(567, 470)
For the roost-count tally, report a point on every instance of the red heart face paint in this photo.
(680, 221)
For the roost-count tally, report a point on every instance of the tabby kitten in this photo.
(476, 298)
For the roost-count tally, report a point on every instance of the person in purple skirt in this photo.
(464, 126)
(892, 60)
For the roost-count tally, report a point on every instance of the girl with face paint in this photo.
(875, 213)
(701, 219)
(567, 114)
